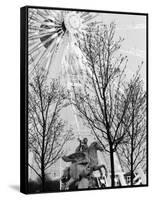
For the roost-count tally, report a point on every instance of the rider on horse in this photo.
(80, 155)
(83, 164)
(83, 146)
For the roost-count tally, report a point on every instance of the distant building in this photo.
(136, 178)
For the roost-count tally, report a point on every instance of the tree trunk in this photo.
(131, 163)
(112, 167)
(132, 150)
(42, 158)
(43, 173)
(43, 179)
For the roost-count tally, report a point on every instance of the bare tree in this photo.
(101, 103)
(133, 151)
(47, 130)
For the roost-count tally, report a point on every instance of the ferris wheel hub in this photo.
(73, 22)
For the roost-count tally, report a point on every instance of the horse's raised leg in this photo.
(69, 183)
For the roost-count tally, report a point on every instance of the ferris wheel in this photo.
(53, 37)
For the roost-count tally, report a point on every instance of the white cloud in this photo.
(134, 52)
(132, 27)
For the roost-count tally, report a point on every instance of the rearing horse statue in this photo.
(83, 164)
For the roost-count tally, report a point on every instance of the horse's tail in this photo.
(104, 167)
(66, 175)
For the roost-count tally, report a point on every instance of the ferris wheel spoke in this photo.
(59, 38)
(32, 60)
(41, 44)
(53, 20)
(32, 43)
(39, 60)
(35, 19)
(87, 17)
(35, 28)
(31, 14)
(50, 24)
(90, 17)
(42, 14)
(56, 55)
(54, 15)
(49, 61)
(39, 35)
(84, 14)
(46, 52)
(62, 16)
(51, 30)
(99, 22)
(47, 12)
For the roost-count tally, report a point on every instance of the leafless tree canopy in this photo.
(104, 99)
(48, 132)
(133, 149)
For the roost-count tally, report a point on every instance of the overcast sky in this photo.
(133, 29)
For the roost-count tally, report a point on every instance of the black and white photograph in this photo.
(86, 100)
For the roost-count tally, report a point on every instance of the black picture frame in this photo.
(24, 78)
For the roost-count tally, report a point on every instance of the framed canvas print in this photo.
(84, 99)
